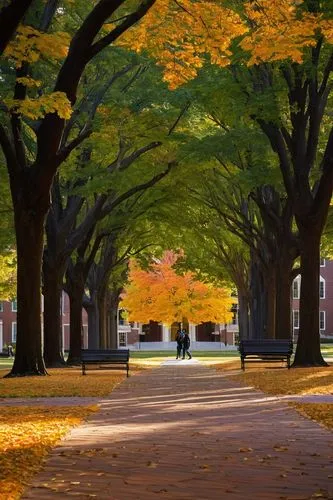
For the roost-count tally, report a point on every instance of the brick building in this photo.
(8, 323)
(326, 301)
(206, 336)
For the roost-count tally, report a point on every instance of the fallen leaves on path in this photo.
(61, 382)
(26, 436)
(320, 412)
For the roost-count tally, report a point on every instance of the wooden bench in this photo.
(265, 350)
(106, 359)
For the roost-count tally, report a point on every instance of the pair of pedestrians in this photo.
(183, 344)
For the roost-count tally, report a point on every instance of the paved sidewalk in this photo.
(184, 431)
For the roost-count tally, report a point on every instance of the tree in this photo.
(10, 16)
(31, 181)
(161, 294)
(297, 132)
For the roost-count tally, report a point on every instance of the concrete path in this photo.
(184, 431)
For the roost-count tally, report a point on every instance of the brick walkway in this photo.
(184, 431)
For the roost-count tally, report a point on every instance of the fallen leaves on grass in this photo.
(319, 412)
(26, 436)
(278, 380)
(61, 382)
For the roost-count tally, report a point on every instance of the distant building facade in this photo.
(205, 335)
(325, 318)
(8, 311)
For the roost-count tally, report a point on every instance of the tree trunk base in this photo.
(310, 365)
(55, 364)
(26, 374)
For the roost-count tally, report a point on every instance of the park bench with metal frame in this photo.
(265, 350)
(105, 359)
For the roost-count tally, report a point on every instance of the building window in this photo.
(322, 288)
(296, 287)
(1, 306)
(14, 306)
(296, 318)
(13, 331)
(122, 339)
(322, 262)
(322, 322)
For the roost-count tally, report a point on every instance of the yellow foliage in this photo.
(30, 44)
(320, 412)
(279, 31)
(56, 102)
(181, 34)
(8, 275)
(163, 295)
(26, 436)
(29, 82)
(62, 382)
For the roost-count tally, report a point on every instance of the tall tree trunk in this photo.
(269, 282)
(258, 301)
(114, 299)
(243, 314)
(308, 345)
(75, 343)
(74, 287)
(29, 226)
(283, 295)
(93, 323)
(103, 318)
(52, 288)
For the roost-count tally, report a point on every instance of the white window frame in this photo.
(322, 319)
(297, 281)
(122, 339)
(14, 331)
(322, 280)
(296, 317)
(322, 262)
(1, 306)
(14, 305)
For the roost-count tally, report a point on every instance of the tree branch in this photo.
(10, 17)
(108, 208)
(120, 29)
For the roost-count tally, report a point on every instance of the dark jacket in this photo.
(180, 338)
(187, 341)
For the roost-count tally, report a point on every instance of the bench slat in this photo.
(265, 350)
(105, 357)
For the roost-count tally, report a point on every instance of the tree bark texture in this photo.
(76, 328)
(52, 288)
(308, 345)
(29, 226)
(10, 17)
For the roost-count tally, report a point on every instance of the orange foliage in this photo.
(180, 34)
(163, 295)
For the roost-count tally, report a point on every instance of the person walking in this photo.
(186, 345)
(180, 341)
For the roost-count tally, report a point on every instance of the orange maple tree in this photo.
(161, 294)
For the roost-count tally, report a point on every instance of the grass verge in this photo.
(66, 382)
(283, 381)
(26, 436)
(319, 412)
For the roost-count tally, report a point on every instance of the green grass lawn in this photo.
(327, 349)
(158, 356)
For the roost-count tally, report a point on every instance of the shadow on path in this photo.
(184, 431)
